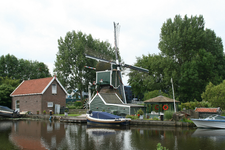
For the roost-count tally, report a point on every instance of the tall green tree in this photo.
(215, 94)
(161, 69)
(9, 66)
(196, 74)
(196, 52)
(182, 38)
(22, 69)
(7, 86)
(190, 54)
(70, 60)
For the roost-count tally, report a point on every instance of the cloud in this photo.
(30, 29)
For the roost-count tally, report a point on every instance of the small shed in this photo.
(160, 104)
(206, 112)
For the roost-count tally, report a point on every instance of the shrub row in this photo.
(194, 104)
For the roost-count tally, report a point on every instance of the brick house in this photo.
(38, 95)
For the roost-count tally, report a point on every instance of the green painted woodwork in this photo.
(108, 78)
(98, 105)
(151, 107)
(105, 76)
(115, 79)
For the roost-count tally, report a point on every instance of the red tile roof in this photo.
(36, 86)
(212, 110)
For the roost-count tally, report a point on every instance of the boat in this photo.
(7, 112)
(105, 119)
(95, 132)
(202, 132)
(215, 121)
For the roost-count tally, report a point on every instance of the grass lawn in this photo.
(71, 115)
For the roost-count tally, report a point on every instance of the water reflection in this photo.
(5, 129)
(214, 134)
(5, 125)
(70, 136)
(32, 134)
(108, 137)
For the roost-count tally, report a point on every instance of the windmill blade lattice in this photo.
(112, 77)
(135, 68)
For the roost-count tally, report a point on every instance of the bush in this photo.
(74, 107)
(168, 115)
(192, 105)
(155, 118)
(77, 103)
(131, 116)
(186, 120)
(223, 113)
(140, 112)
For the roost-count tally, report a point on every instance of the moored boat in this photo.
(7, 112)
(104, 118)
(216, 121)
(203, 132)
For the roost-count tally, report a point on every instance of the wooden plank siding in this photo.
(98, 105)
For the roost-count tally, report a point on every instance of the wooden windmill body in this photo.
(108, 73)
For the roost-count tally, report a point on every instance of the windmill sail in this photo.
(118, 71)
(135, 68)
(99, 59)
(113, 76)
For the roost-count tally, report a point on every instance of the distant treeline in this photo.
(22, 69)
(13, 71)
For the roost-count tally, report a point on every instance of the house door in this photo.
(17, 108)
(57, 108)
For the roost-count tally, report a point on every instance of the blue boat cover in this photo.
(103, 115)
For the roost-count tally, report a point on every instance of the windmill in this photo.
(109, 75)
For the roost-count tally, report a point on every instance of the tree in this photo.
(190, 54)
(13, 71)
(196, 74)
(161, 69)
(179, 39)
(153, 94)
(22, 69)
(8, 66)
(215, 94)
(7, 86)
(70, 60)
(196, 52)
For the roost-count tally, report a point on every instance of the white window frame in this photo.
(50, 104)
(54, 88)
(17, 103)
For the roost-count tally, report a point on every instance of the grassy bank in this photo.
(70, 115)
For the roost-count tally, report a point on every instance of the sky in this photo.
(30, 29)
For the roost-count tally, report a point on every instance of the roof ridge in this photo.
(38, 78)
(34, 86)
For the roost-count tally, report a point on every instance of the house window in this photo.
(18, 104)
(17, 107)
(50, 104)
(54, 89)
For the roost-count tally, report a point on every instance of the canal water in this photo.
(41, 135)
